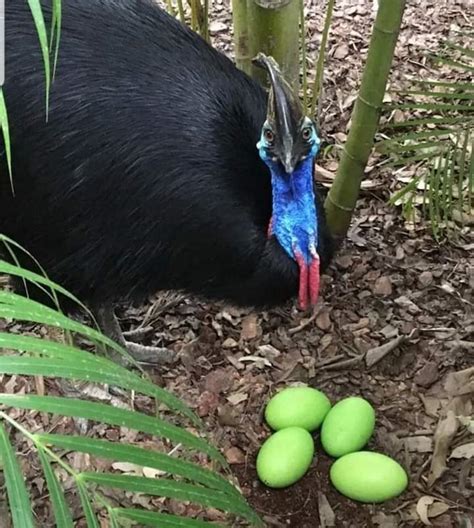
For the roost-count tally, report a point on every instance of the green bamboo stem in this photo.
(273, 27)
(342, 197)
(303, 56)
(318, 80)
(242, 54)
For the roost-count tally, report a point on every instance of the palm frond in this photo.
(434, 137)
(180, 477)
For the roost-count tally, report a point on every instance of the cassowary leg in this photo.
(143, 354)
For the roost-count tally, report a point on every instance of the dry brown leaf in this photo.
(419, 444)
(237, 398)
(383, 286)
(128, 468)
(327, 517)
(422, 508)
(460, 383)
(323, 321)
(463, 451)
(444, 434)
(430, 507)
(385, 521)
(250, 327)
(234, 455)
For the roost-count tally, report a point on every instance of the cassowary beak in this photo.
(284, 114)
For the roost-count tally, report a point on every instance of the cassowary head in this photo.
(288, 145)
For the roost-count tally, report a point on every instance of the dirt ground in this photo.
(395, 325)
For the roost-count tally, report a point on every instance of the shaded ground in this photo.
(389, 280)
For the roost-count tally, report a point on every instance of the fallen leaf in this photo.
(422, 508)
(443, 436)
(215, 26)
(260, 361)
(250, 327)
(237, 398)
(385, 521)
(460, 383)
(427, 375)
(463, 451)
(269, 351)
(152, 472)
(383, 286)
(323, 321)
(327, 517)
(341, 52)
(419, 444)
(425, 279)
(217, 381)
(235, 456)
(128, 468)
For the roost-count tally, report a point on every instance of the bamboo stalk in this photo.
(322, 54)
(342, 197)
(303, 56)
(242, 54)
(274, 30)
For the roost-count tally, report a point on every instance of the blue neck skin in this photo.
(294, 216)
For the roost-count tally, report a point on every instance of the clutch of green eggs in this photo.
(346, 427)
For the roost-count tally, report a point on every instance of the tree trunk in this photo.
(342, 197)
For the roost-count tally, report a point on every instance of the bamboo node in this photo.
(367, 103)
(353, 158)
(385, 31)
(339, 206)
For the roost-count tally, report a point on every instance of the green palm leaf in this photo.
(16, 489)
(162, 520)
(439, 142)
(60, 508)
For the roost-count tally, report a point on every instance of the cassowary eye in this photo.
(268, 134)
(307, 133)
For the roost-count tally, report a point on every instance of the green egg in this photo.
(348, 426)
(368, 477)
(285, 457)
(297, 406)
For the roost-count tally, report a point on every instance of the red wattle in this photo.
(314, 281)
(303, 283)
(308, 291)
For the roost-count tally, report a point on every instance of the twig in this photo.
(374, 355)
(344, 364)
(305, 322)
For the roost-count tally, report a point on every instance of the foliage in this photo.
(182, 478)
(434, 145)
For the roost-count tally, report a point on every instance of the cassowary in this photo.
(161, 165)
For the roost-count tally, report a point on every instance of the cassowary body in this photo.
(147, 175)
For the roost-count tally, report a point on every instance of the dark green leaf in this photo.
(18, 499)
(35, 7)
(80, 365)
(141, 457)
(162, 520)
(61, 511)
(172, 489)
(91, 518)
(107, 414)
(6, 136)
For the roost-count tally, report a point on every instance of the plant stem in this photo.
(322, 53)
(342, 197)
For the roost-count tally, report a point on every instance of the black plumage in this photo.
(146, 176)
